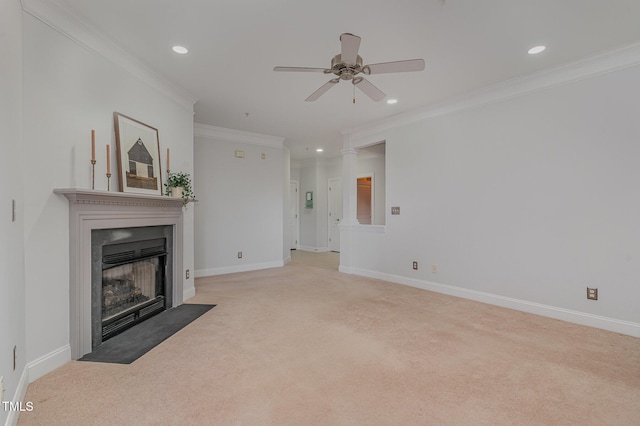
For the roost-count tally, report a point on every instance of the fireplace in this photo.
(100, 219)
(131, 279)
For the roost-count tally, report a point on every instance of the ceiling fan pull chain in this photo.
(354, 93)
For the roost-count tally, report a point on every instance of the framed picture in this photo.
(138, 151)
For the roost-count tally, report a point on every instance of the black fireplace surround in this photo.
(131, 270)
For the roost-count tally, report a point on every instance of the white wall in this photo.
(241, 201)
(12, 293)
(70, 89)
(522, 202)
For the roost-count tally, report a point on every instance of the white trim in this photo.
(314, 249)
(69, 24)
(239, 268)
(231, 135)
(371, 229)
(606, 62)
(48, 362)
(21, 392)
(297, 204)
(287, 260)
(335, 180)
(188, 293)
(576, 317)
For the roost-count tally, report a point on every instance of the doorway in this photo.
(294, 214)
(365, 194)
(334, 213)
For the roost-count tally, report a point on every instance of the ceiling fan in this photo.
(348, 65)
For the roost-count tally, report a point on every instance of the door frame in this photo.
(296, 199)
(373, 194)
(337, 179)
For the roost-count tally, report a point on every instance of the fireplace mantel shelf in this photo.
(88, 196)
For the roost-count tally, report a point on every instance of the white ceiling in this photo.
(234, 45)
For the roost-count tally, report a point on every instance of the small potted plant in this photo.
(179, 185)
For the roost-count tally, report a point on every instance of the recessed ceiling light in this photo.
(536, 50)
(392, 101)
(180, 49)
(319, 149)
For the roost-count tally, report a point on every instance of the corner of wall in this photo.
(48, 362)
(21, 392)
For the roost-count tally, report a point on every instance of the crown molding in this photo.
(231, 135)
(606, 62)
(72, 26)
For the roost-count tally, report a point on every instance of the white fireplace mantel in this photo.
(88, 196)
(89, 210)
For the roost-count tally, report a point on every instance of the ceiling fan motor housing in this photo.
(343, 70)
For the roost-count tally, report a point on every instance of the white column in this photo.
(349, 186)
(349, 202)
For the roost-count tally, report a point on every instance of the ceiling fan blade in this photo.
(328, 85)
(350, 45)
(369, 89)
(301, 69)
(397, 66)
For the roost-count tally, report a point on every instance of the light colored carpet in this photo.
(303, 345)
(327, 260)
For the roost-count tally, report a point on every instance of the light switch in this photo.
(395, 210)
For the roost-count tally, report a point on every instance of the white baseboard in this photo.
(188, 293)
(239, 268)
(49, 362)
(21, 392)
(314, 249)
(576, 317)
(287, 260)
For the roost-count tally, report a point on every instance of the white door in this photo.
(335, 213)
(294, 213)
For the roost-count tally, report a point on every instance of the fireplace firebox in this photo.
(130, 279)
(132, 283)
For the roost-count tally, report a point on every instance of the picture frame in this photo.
(138, 153)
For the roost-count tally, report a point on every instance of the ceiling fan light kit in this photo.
(348, 64)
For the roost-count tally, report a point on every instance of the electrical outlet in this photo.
(434, 269)
(239, 255)
(415, 265)
(186, 274)
(592, 293)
